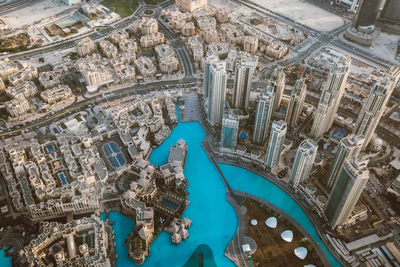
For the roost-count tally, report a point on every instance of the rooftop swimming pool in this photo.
(63, 179)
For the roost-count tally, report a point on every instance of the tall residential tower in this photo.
(244, 70)
(230, 128)
(350, 183)
(303, 162)
(275, 143)
(374, 106)
(276, 79)
(350, 146)
(216, 86)
(330, 97)
(207, 63)
(296, 103)
(264, 109)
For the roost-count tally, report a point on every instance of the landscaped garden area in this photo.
(124, 8)
(272, 249)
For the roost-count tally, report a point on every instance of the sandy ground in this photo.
(34, 13)
(303, 13)
(384, 46)
(223, 3)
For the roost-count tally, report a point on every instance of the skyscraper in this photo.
(330, 97)
(207, 63)
(216, 92)
(367, 13)
(265, 104)
(244, 70)
(350, 146)
(296, 103)
(349, 184)
(275, 143)
(391, 11)
(303, 162)
(374, 106)
(276, 79)
(230, 128)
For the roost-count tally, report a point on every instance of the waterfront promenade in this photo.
(234, 197)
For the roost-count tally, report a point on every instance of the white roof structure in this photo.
(246, 248)
(271, 222)
(300, 252)
(395, 163)
(254, 222)
(310, 265)
(287, 235)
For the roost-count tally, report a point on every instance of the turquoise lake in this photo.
(214, 220)
(4, 261)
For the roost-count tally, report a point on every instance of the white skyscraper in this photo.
(303, 162)
(265, 104)
(350, 146)
(216, 92)
(275, 143)
(207, 63)
(296, 103)
(230, 128)
(347, 189)
(330, 97)
(374, 105)
(244, 70)
(276, 79)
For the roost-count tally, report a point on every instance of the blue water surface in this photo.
(247, 181)
(214, 220)
(4, 261)
(123, 226)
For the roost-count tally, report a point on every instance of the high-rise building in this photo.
(207, 63)
(367, 13)
(264, 109)
(296, 103)
(230, 128)
(331, 96)
(275, 143)
(244, 70)
(350, 146)
(216, 92)
(374, 106)
(349, 184)
(303, 162)
(391, 11)
(276, 79)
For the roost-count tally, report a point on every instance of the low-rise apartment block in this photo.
(7, 68)
(85, 46)
(49, 79)
(23, 75)
(152, 39)
(17, 107)
(108, 49)
(56, 94)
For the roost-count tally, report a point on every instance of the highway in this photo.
(180, 48)
(95, 100)
(185, 60)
